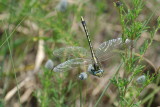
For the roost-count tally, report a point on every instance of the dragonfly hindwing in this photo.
(69, 64)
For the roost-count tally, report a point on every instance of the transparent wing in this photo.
(108, 48)
(72, 52)
(69, 64)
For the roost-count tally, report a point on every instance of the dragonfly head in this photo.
(95, 72)
(98, 73)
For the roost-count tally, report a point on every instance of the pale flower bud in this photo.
(49, 64)
(141, 79)
(62, 6)
(83, 76)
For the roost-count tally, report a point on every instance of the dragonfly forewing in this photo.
(72, 52)
(72, 63)
(108, 49)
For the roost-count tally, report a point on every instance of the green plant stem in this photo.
(80, 92)
(99, 99)
(13, 69)
(157, 82)
(151, 95)
(12, 33)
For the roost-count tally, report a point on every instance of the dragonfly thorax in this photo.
(96, 67)
(95, 70)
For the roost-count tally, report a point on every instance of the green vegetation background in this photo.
(31, 29)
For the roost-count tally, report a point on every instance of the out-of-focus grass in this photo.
(27, 22)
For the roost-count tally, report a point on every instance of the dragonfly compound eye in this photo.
(94, 72)
(99, 73)
(91, 69)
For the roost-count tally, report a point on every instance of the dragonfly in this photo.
(93, 58)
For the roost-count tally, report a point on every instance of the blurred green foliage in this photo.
(25, 22)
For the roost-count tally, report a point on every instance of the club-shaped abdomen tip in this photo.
(82, 19)
(83, 76)
(141, 79)
(49, 64)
